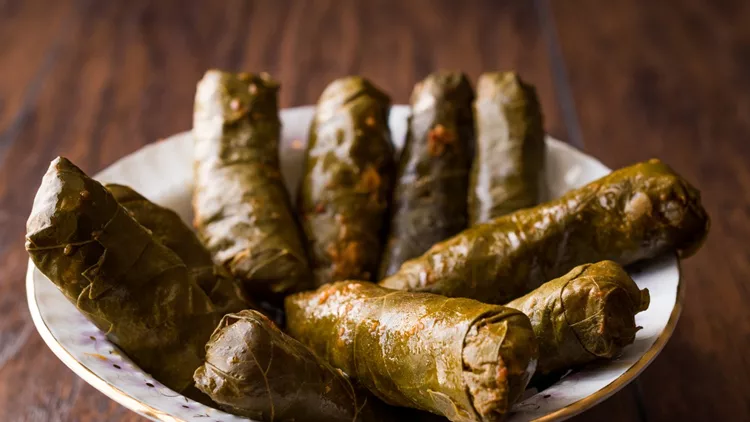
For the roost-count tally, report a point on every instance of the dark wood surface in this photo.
(624, 80)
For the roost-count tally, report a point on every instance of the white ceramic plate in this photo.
(163, 173)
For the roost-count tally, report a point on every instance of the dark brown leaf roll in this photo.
(167, 227)
(242, 209)
(587, 314)
(131, 286)
(459, 358)
(252, 369)
(632, 214)
(346, 184)
(429, 200)
(508, 169)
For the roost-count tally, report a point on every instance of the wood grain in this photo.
(34, 49)
(95, 80)
(654, 80)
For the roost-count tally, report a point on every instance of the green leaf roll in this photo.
(252, 369)
(634, 213)
(136, 290)
(455, 357)
(167, 227)
(508, 169)
(347, 180)
(429, 199)
(242, 210)
(587, 314)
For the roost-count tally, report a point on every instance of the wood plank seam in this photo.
(560, 80)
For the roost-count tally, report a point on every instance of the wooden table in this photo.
(624, 80)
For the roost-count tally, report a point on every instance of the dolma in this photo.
(429, 199)
(587, 314)
(167, 227)
(252, 369)
(455, 357)
(133, 288)
(508, 169)
(242, 209)
(632, 214)
(347, 180)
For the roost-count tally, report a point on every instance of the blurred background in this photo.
(623, 80)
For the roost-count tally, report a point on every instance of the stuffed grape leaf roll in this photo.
(429, 199)
(632, 214)
(508, 169)
(242, 208)
(455, 357)
(252, 369)
(133, 288)
(347, 180)
(587, 314)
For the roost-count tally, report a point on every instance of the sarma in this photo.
(167, 227)
(252, 369)
(131, 286)
(455, 357)
(346, 184)
(632, 214)
(508, 169)
(429, 200)
(588, 313)
(242, 209)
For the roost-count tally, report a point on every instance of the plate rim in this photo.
(146, 410)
